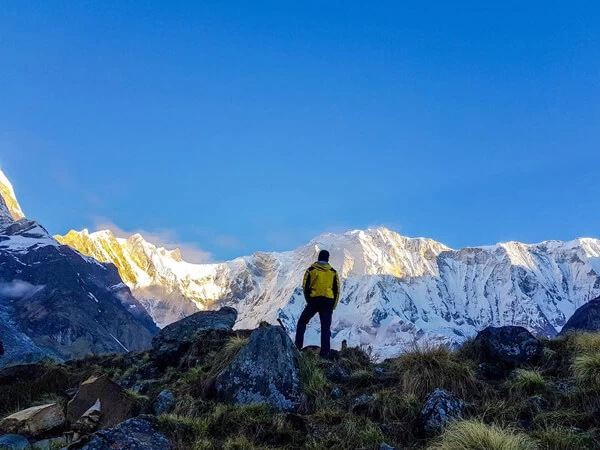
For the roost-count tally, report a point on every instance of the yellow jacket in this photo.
(321, 280)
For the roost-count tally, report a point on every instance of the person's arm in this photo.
(306, 285)
(336, 289)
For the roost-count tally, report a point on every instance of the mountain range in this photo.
(396, 290)
(90, 292)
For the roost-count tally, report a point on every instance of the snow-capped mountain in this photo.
(8, 194)
(396, 290)
(57, 302)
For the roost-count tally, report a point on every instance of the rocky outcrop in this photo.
(34, 421)
(266, 370)
(116, 405)
(176, 339)
(134, 434)
(586, 318)
(510, 345)
(441, 409)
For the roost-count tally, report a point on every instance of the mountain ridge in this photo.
(396, 289)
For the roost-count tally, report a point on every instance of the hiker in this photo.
(321, 287)
(1, 348)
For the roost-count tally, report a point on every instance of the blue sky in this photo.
(231, 127)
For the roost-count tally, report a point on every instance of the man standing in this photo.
(321, 287)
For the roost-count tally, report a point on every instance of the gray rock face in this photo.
(164, 403)
(441, 409)
(266, 370)
(176, 338)
(13, 442)
(513, 346)
(134, 434)
(586, 318)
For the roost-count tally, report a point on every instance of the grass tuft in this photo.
(586, 370)
(527, 383)
(473, 435)
(423, 369)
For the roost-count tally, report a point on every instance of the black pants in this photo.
(323, 306)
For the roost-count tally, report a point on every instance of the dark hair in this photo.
(324, 255)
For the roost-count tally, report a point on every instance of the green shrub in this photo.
(473, 435)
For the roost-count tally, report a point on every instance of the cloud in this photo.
(18, 289)
(167, 239)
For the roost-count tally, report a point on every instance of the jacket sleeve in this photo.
(306, 285)
(336, 289)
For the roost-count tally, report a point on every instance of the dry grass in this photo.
(473, 435)
(423, 369)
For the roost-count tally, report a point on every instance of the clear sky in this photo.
(237, 126)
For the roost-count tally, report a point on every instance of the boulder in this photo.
(13, 442)
(134, 434)
(175, 339)
(266, 370)
(90, 420)
(441, 409)
(510, 345)
(117, 405)
(165, 402)
(586, 318)
(34, 421)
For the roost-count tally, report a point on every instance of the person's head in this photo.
(324, 256)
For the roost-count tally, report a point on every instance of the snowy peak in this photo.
(380, 251)
(8, 194)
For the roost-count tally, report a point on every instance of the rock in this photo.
(90, 420)
(362, 400)
(513, 346)
(13, 442)
(441, 409)
(165, 402)
(337, 373)
(175, 339)
(117, 405)
(361, 404)
(266, 370)
(586, 318)
(34, 421)
(384, 446)
(337, 393)
(134, 434)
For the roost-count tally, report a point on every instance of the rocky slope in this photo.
(56, 302)
(396, 290)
